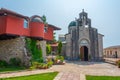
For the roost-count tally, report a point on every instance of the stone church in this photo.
(83, 42)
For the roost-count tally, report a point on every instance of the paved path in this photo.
(24, 73)
(67, 76)
(86, 68)
(74, 70)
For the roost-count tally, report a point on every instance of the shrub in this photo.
(37, 65)
(50, 63)
(59, 48)
(32, 68)
(48, 49)
(40, 66)
(3, 63)
(61, 58)
(44, 66)
(118, 63)
(40, 60)
(15, 62)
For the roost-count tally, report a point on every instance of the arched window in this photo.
(84, 42)
(116, 54)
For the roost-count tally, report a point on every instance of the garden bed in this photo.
(11, 69)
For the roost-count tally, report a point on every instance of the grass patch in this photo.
(44, 76)
(88, 77)
(10, 69)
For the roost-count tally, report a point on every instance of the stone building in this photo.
(83, 41)
(112, 52)
(61, 37)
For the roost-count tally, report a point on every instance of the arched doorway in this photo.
(84, 53)
(116, 55)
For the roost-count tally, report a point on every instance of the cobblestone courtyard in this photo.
(74, 70)
(80, 69)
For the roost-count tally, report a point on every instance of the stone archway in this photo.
(84, 53)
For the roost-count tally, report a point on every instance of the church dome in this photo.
(73, 23)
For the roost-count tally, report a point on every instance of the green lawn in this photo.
(102, 77)
(9, 69)
(44, 76)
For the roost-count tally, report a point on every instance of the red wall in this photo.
(49, 34)
(36, 29)
(15, 25)
(2, 24)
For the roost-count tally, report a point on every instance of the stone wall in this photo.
(100, 41)
(112, 52)
(14, 48)
(63, 49)
(68, 46)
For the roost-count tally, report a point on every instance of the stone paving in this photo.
(86, 68)
(74, 70)
(67, 76)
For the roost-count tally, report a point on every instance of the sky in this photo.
(105, 14)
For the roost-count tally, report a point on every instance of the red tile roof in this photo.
(54, 45)
(55, 28)
(117, 46)
(3, 10)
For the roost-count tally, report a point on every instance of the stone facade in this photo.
(14, 48)
(100, 41)
(112, 52)
(83, 41)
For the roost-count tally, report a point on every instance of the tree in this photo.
(48, 49)
(44, 19)
(54, 38)
(59, 48)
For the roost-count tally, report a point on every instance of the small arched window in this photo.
(84, 42)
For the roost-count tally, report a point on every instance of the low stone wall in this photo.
(111, 60)
(14, 48)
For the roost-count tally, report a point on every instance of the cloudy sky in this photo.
(105, 14)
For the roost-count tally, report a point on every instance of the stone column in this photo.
(43, 47)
